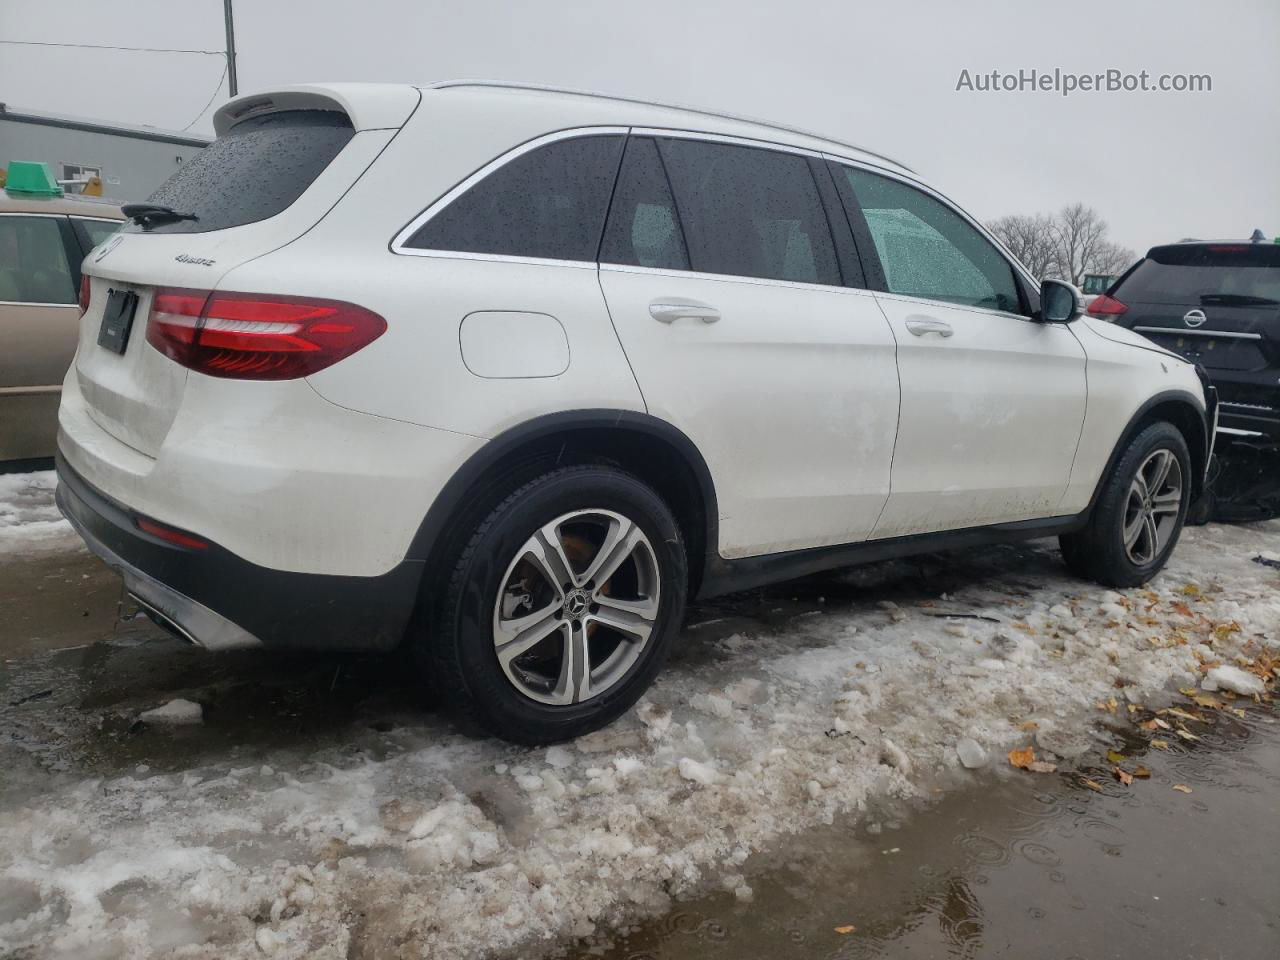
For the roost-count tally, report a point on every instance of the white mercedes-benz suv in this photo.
(508, 374)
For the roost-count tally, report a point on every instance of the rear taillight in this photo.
(251, 336)
(84, 293)
(1106, 306)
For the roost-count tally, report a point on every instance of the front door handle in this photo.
(919, 326)
(669, 311)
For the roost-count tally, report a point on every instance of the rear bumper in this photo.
(222, 601)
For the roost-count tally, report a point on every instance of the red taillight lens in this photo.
(252, 336)
(84, 294)
(1106, 306)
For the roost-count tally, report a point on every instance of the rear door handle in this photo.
(669, 311)
(919, 326)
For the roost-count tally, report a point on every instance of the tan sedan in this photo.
(42, 242)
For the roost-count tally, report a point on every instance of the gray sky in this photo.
(1159, 166)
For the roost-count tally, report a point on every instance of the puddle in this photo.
(1022, 866)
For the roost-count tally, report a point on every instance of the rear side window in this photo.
(750, 212)
(928, 250)
(644, 228)
(90, 233)
(33, 261)
(256, 170)
(548, 203)
(1208, 274)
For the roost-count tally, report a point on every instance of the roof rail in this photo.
(543, 88)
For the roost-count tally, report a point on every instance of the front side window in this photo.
(548, 203)
(928, 250)
(750, 212)
(33, 261)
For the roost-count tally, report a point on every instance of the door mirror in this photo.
(1059, 301)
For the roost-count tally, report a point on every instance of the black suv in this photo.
(1216, 303)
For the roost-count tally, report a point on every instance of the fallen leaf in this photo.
(1160, 744)
(1182, 608)
(1151, 724)
(1124, 776)
(1023, 758)
(1224, 630)
(1191, 590)
(1141, 772)
(1206, 701)
(1161, 724)
(1092, 784)
(1114, 757)
(847, 928)
(1187, 691)
(1183, 714)
(1182, 788)
(1185, 735)
(1031, 725)
(1040, 766)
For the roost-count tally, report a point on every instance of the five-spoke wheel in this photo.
(576, 607)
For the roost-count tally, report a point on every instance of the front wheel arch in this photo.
(1184, 413)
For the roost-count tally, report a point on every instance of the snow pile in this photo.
(174, 713)
(29, 519)
(461, 847)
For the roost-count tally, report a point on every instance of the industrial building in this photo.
(130, 161)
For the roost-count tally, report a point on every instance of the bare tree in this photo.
(1068, 244)
(1113, 259)
(1030, 239)
(1078, 234)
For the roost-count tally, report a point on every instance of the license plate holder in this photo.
(117, 320)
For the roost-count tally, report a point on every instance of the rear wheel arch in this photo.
(651, 449)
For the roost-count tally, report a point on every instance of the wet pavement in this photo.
(1072, 864)
(1023, 866)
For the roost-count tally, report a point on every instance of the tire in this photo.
(500, 590)
(1099, 551)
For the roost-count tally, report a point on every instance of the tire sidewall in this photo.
(469, 619)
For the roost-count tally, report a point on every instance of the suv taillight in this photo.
(251, 336)
(1106, 306)
(84, 294)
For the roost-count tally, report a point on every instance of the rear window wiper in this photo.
(145, 213)
(1238, 300)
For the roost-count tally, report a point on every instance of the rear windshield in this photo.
(1246, 274)
(257, 169)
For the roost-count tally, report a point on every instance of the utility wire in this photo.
(225, 66)
(99, 46)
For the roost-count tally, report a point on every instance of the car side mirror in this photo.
(1059, 302)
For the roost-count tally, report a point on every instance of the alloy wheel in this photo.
(577, 607)
(1152, 507)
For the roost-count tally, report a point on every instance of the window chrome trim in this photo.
(20, 213)
(38, 303)
(952, 305)
(399, 243)
(731, 278)
(1199, 332)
